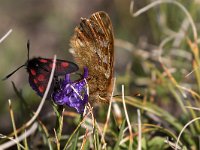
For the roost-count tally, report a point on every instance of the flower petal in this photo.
(74, 94)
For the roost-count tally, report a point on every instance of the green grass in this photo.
(157, 110)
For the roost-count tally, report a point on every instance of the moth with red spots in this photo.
(39, 70)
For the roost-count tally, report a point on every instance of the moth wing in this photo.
(38, 80)
(39, 70)
(62, 66)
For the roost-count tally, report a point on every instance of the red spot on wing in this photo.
(41, 77)
(43, 60)
(64, 64)
(35, 81)
(33, 72)
(41, 89)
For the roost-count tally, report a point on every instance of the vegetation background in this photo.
(160, 89)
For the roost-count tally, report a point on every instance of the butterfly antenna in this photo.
(13, 72)
(28, 48)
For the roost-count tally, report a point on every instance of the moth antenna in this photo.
(28, 48)
(13, 72)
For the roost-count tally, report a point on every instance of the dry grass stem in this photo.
(5, 36)
(57, 141)
(139, 131)
(158, 2)
(84, 139)
(194, 108)
(172, 145)
(127, 117)
(179, 136)
(108, 113)
(28, 132)
(13, 123)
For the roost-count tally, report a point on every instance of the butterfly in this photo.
(39, 70)
(93, 47)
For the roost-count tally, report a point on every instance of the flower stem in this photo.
(59, 119)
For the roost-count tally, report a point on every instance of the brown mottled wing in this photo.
(93, 46)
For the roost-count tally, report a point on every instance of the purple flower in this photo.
(72, 93)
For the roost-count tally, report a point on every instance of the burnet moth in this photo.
(39, 70)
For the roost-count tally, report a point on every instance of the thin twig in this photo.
(127, 118)
(90, 108)
(139, 131)
(179, 136)
(172, 144)
(194, 108)
(84, 139)
(189, 90)
(158, 2)
(12, 140)
(195, 69)
(21, 137)
(57, 141)
(108, 114)
(5, 36)
(13, 122)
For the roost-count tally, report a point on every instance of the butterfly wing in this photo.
(39, 70)
(93, 46)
